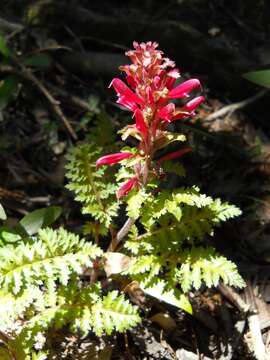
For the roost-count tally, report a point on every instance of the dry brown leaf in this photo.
(115, 263)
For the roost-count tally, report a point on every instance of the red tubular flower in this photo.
(166, 112)
(126, 187)
(172, 75)
(123, 90)
(184, 89)
(175, 154)
(193, 104)
(130, 105)
(181, 115)
(113, 158)
(140, 123)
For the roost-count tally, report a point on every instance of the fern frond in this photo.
(170, 202)
(54, 256)
(92, 187)
(204, 265)
(114, 312)
(135, 201)
(224, 211)
(83, 309)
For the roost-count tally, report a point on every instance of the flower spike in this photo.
(147, 91)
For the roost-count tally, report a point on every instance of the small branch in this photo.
(121, 234)
(8, 26)
(229, 109)
(27, 75)
(84, 105)
(233, 297)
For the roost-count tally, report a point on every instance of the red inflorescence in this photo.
(151, 79)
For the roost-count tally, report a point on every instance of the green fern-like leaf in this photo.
(171, 222)
(94, 188)
(83, 309)
(204, 265)
(135, 201)
(224, 211)
(114, 312)
(55, 255)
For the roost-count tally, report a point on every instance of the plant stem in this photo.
(121, 234)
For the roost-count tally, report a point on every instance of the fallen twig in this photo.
(229, 109)
(27, 75)
(256, 337)
(84, 105)
(256, 341)
(233, 297)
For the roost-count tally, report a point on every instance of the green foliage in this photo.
(4, 50)
(166, 252)
(52, 257)
(41, 290)
(135, 201)
(92, 187)
(260, 77)
(39, 218)
(39, 61)
(175, 168)
(172, 296)
(83, 309)
(8, 90)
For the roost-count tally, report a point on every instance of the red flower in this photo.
(184, 89)
(140, 124)
(166, 113)
(193, 104)
(175, 154)
(126, 187)
(130, 105)
(113, 158)
(123, 91)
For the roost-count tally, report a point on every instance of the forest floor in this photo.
(69, 53)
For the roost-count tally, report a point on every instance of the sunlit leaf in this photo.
(261, 77)
(37, 219)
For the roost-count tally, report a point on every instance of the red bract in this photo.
(148, 93)
(175, 154)
(113, 158)
(184, 89)
(194, 103)
(126, 187)
(140, 123)
(167, 112)
(124, 92)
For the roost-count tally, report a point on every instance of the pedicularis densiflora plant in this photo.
(53, 278)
